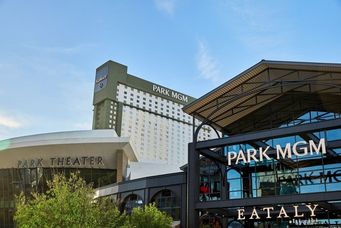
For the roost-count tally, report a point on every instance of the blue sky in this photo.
(49, 50)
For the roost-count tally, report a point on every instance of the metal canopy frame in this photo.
(239, 106)
(261, 84)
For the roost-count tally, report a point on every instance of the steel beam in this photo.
(193, 175)
(213, 156)
(283, 199)
(267, 134)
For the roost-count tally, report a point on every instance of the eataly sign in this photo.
(270, 213)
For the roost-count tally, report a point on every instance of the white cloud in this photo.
(252, 14)
(207, 65)
(260, 27)
(9, 122)
(49, 80)
(165, 6)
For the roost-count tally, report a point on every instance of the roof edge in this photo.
(191, 108)
(188, 107)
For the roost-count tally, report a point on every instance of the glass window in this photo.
(167, 201)
(130, 202)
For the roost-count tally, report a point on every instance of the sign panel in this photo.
(170, 93)
(279, 212)
(101, 78)
(83, 161)
(298, 149)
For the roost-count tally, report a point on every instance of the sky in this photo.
(49, 50)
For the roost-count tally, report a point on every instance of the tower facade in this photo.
(149, 113)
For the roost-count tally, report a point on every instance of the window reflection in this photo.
(235, 184)
(130, 202)
(314, 172)
(167, 201)
(312, 117)
(210, 180)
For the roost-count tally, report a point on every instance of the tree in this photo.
(109, 215)
(149, 217)
(69, 202)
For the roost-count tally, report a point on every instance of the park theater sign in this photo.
(298, 149)
(83, 161)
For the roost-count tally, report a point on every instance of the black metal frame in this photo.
(205, 148)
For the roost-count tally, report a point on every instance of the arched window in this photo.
(235, 184)
(235, 224)
(130, 202)
(167, 201)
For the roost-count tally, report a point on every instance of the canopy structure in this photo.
(292, 85)
(270, 106)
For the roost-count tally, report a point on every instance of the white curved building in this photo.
(27, 162)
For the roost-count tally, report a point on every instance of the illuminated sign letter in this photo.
(296, 213)
(321, 146)
(254, 213)
(251, 155)
(282, 212)
(241, 214)
(241, 156)
(267, 209)
(304, 149)
(283, 154)
(312, 210)
(230, 156)
(263, 153)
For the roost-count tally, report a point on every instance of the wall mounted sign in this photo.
(282, 212)
(101, 78)
(170, 93)
(62, 162)
(299, 149)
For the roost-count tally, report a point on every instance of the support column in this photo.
(193, 175)
(121, 165)
(224, 190)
